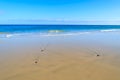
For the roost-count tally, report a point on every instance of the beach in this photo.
(59, 39)
(92, 56)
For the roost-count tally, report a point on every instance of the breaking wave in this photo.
(54, 33)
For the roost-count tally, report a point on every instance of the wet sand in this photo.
(59, 58)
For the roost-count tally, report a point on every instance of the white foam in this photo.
(110, 30)
(66, 34)
(38, 34)
(9, 36)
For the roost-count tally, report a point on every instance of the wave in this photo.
(67, 34)
(8, 35)
(110, 30)
(54, 33)
(41, 34)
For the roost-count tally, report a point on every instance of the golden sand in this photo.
(58, 65)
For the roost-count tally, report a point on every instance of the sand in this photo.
(61, 60)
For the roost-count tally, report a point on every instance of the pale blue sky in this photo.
(59, 11)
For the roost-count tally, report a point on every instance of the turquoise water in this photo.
(48, 30)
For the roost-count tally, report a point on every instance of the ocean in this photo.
(54, 30)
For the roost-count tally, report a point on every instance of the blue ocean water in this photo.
(56, 29)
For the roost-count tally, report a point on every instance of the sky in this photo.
(59, 11)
